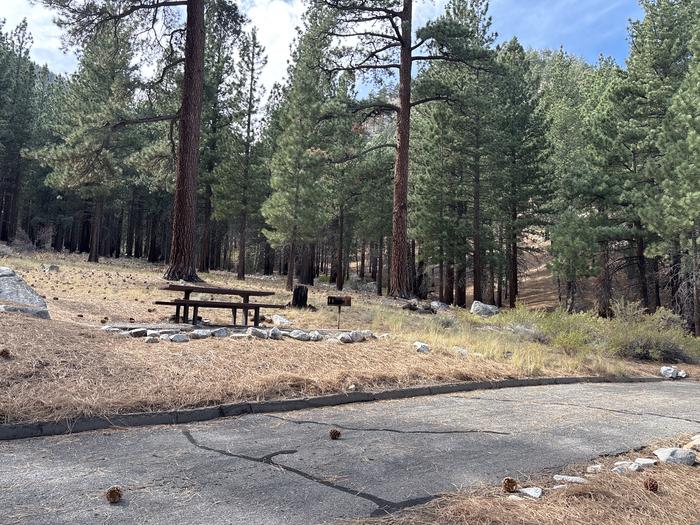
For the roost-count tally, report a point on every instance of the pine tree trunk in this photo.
(399, 284)
(362, 260)
(449, 292)
(340, 281)
(676, 303)
(95, 230)
(290, 265)
(204, 259)
(182, 253)
(460, 298)
(242, 229)
(441, 282)
(604, 287)
(380, 265)
(696, 284)
(642, 269)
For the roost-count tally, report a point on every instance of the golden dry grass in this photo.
(68, 367)
(609, 499)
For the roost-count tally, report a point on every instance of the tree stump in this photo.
(300, 296)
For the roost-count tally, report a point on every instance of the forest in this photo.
(420, 159)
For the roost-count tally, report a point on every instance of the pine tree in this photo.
(293, 210)
(91, 154)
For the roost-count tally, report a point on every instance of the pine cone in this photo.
(114, 494)
(334, 433)
(651, 485)
(509, 485)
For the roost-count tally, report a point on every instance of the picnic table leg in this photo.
(246, 300)
(177, 313)
(187, 308)
(256, 319)
(194, 315)
(235, 312)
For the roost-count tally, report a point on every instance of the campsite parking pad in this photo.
(284, 469)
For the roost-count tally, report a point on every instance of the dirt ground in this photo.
(68, 367)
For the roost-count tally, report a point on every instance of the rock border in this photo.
(12, 431)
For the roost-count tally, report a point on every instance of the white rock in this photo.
(111, 329)
(299, 335)
(635, 467)
(257, 332)
(240, 336)
(152, 333)
(623, 463)
(680, 456)
(200, 334)
(594, 469)
(437, 306)
(619, 469)
(344, 337)
(138, 332)
(558, 487)
(682, 374)
(421, 347)
(220, 332)
(645, 462)
(367, 334)
(179, 338)
(152, 339)
(164, 337)
(570, 479)
(315, 336)
(669, 372)
(483, 310)
(280, 320)
(533, 492)
(275, 333)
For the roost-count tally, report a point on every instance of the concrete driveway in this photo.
(284, 469)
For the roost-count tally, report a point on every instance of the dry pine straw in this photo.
(58, 369)
(610, 499)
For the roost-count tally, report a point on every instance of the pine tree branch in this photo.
(142, 120)
(348, 158)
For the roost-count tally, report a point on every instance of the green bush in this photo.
(630, 334)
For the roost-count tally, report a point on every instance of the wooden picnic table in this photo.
(245, 305)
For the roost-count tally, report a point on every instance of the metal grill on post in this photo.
(339, 301)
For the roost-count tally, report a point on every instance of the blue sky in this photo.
(584, 27)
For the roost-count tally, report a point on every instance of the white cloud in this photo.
(47, 36)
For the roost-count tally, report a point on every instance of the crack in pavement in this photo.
(393, 430)
(592, 407)
(384, 506)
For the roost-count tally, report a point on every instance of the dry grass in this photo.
(58, 369)
(67, 367)
(609, 499)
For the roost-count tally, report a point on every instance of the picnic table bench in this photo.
(245, 305)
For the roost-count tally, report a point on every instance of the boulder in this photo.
(672, 372)
(275, 333)
(200, 334)
(694, 444)
(299, 335)
(179, 338)
(152, 339)
(164, 337)
(357, 337)
(19, 296)
(50, 268)
(421, 347)
(594, 469)
(345, 337)
(220, 332)
(680, 456)
(138, 332)
(315, 335)
(462, 352)
(258, 332)
(152, 333)
(483, 310)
